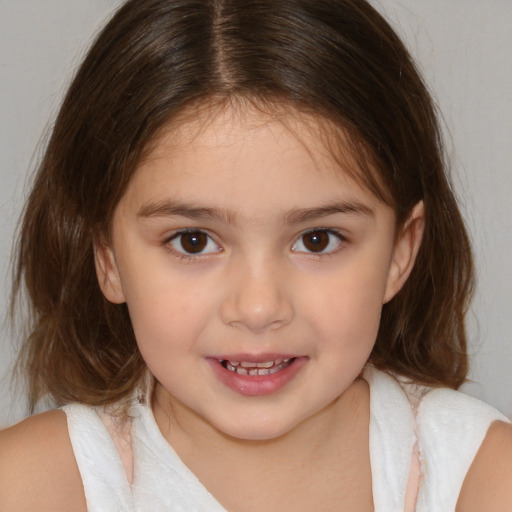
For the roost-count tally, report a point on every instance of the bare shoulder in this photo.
(38, 470)
(487, 485)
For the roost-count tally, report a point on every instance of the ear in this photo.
(108, 273)
(405, 251)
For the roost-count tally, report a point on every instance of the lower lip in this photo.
(257, 385)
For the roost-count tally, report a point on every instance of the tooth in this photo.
(253, 372)
(247, 364)
(234, 363)
(230, 368)
(241, 371)
(278, 361)
(264, 371)
(268, 364)
(275, 369)
(285, 360)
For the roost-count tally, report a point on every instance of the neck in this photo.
(329, 451)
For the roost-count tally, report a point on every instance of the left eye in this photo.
(318, 241)
(193, 242)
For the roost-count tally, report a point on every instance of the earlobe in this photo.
(406, 249)
(108, 273)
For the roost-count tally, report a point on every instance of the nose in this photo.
(258, 298)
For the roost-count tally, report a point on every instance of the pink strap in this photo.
(120, 432)
(413, 485)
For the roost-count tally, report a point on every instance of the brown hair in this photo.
(337, 59)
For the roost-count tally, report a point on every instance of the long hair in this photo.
(336, 59)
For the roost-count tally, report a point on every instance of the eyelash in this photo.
(206, 238)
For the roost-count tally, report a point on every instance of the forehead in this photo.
(224, 125)
(233, 153)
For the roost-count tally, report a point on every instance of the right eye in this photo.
(193, 242)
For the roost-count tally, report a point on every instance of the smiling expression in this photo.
(254, 270)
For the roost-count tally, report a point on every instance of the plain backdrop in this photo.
(463, 49)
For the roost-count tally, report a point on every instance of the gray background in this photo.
(463, 48)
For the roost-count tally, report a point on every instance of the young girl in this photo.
(248, 276)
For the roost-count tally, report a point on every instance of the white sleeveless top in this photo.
(447, 426)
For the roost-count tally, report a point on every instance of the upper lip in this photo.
(255, 358)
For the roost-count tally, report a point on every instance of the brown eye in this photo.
(318, 241)
(193, 242)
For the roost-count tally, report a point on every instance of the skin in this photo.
(255, 186)
(38, 470)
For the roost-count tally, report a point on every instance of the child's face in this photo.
(254, 271)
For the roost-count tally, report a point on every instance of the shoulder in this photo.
(487, 485)
(38, 470)
(460, 439)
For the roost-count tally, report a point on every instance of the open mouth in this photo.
(252, 368)
(257, 375)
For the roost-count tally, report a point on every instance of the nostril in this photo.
(256, 301)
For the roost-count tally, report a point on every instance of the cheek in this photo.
(347, 307)
(167, 312)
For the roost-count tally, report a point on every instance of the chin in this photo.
(259, 430)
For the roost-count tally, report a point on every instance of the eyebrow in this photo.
(177, 208)
(299, 215)
(295, 216)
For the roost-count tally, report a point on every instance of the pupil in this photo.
(316, 241)
(194, 242)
